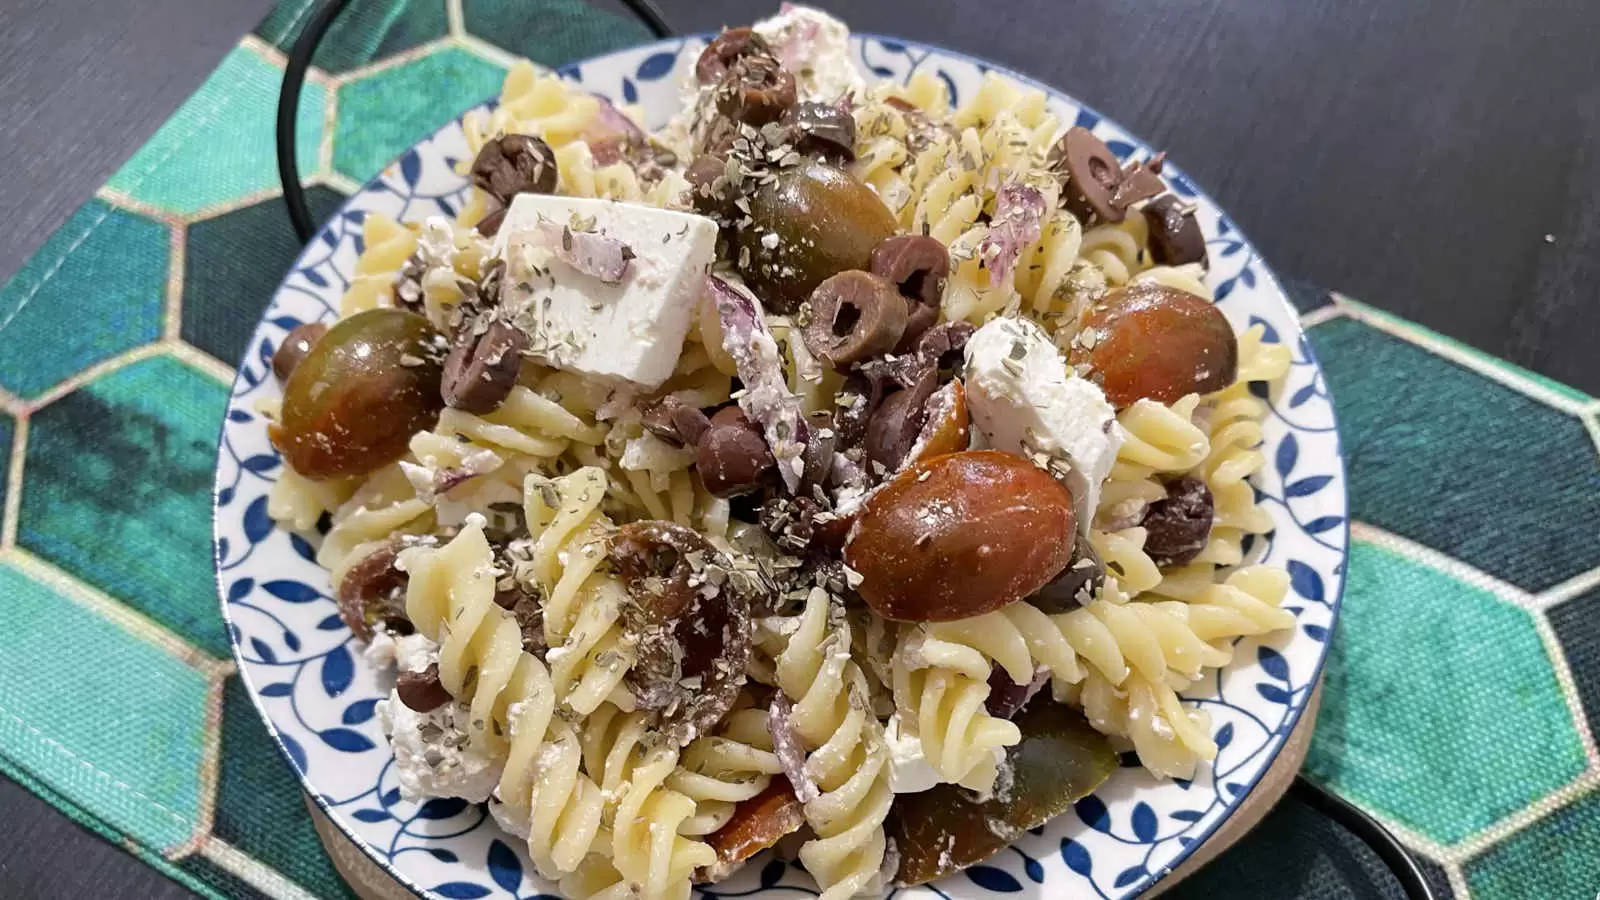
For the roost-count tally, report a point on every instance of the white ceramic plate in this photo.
(305, 672)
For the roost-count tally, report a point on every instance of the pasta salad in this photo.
(834, 468)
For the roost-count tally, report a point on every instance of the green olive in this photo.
(825, 221)
(353, 403)
(1059, 761)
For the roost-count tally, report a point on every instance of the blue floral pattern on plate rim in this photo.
(304, 672)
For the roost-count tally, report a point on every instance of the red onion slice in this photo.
(786, 744)
(590, 252)
(1018, 214)
(766, 398)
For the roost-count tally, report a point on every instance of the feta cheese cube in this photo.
(1025, 400)
(625, 333)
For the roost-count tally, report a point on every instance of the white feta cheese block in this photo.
(625, 333)
(1025, 400)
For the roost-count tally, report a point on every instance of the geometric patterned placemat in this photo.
(1461, 679)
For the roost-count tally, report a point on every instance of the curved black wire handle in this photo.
(294, 77)
(1360, 824)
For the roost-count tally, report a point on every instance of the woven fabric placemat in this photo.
(1454, 705)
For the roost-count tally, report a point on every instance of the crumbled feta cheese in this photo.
(434, 753)
(1024, 400)
(628, 332)
(648, 453)
(909, 770)
(815, 48)
(407, 653)
(514, 826)
(475, 497)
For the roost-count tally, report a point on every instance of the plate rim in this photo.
(676, 43)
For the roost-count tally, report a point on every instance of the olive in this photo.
(757, 824)
(732, 456)
(918, 265)
(1178, 525)
(960, 535)
(1077, 583)
(893, 429)
(514, 164)
(356, 399)
(1092, 172)
(675, 421)
(756, 90)
(727, 48)
(1175, 237)
(822, 221)
(942, 346)
(1059, 761)
(422, 691)
(710, 192)
(854, 316)
(296, 344)
(372, 590)
(818, 453)
(685, 627)
(823, 130)
(482, 367)
(1150, 341)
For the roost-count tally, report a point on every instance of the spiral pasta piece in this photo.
(718, 771)
(1162, 438)
(849, 759)
(1188, 278)
(299, 502)
(582, 603)
(1118, 249)
(530, 103)
(945, 710)
(646, 816)
(387, 245)
(450, 597)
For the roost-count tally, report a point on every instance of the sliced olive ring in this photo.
(1092, 171)
(725, 49)
(918, 265)
(756, 90)
(685, 628)
(855, 316)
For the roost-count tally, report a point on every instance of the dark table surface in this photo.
(1440, 160)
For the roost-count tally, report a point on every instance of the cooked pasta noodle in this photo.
(582, 603)
(718, 771)
(646, 817)
(848, 756)
(386, 246)
(450, 597)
